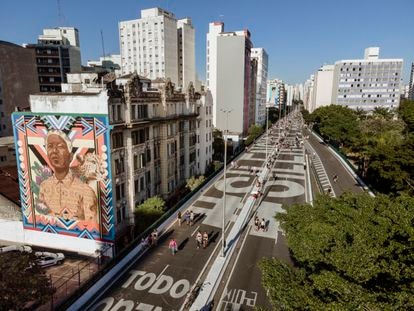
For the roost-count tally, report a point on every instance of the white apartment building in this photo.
(261, 83)
(275, 94)
(158, 46)
(322, 87)
(367, 83)
(60, 35)
(229, 77)
(308, 93)
(186, 53)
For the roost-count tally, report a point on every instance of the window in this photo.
(139, 136)
(136, 186)
(135, 162)
(142, 183)
(117, 140)
(120, 191)
(119, 166)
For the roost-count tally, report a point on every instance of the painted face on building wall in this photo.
(58, 153)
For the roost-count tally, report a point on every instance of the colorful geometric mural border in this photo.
(88, 135)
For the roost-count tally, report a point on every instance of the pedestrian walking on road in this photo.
(187, 217)
(205, 239)
(263, 225)
(173, 246)
(199, 239)
(256, 223)
(335, 178)
(179, 218)
(154, 237)
(191, 218)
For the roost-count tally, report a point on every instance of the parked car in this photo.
(16, 248)
(46, 259)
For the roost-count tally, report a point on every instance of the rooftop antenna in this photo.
(103, 45)
(60, 15)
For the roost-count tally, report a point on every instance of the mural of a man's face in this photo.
(58, 152)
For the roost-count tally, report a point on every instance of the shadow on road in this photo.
(182, 244)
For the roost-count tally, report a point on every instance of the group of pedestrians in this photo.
(202, 239)
(188, 218)
(151, 240)
(260, 224)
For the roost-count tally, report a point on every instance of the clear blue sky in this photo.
(299, 35)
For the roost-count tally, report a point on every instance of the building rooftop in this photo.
(10, 44)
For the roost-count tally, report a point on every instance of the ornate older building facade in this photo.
(155, 135)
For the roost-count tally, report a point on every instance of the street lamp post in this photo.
(223, 244)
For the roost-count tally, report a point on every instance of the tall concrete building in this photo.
(18, 79)
(367, 83)
(261, 84)
(159, 137)
(322, 87)
(308, 93)
(229, 77)
(57, 53)
(159, 46)
(275, 94)
(186, 52)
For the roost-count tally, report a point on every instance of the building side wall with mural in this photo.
(65, 179)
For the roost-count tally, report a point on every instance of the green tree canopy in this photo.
(336, 123)
(254, 132)
(148, 212)
(406, 112)
(218, 145)
(22, 281)
(354, 252)
(153, 205)
(306, 116)
(383, 112)
(193, 182)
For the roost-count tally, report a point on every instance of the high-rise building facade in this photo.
(275, 94)
(367, 83)
(186, 52)
(229, 77)
(159, 46)
(322, 87)
(308, 93)
(57, 53)
(18, 79)
(261, 83)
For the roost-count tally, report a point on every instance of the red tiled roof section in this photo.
(9, 184)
